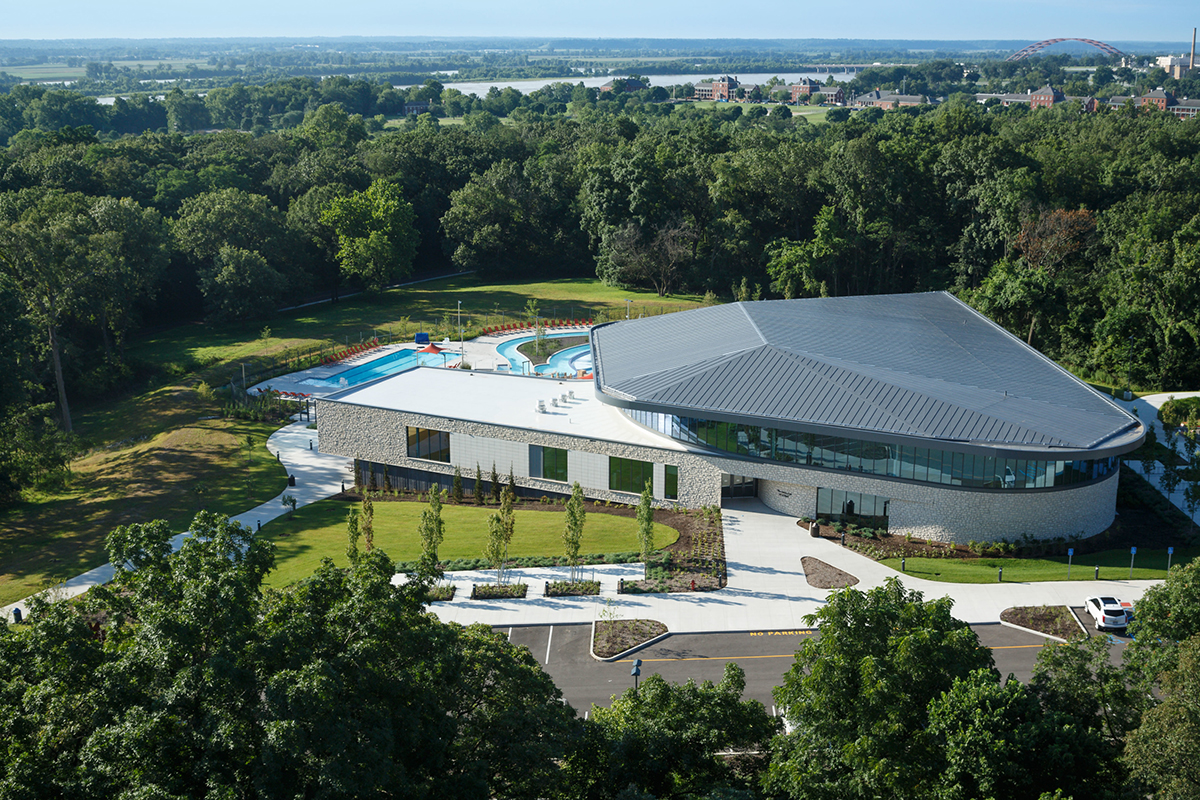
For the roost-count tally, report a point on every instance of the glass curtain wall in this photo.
(928, 465)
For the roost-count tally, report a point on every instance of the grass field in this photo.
(149, 451)
(1114, 565)
(62, 72)
(319, 531)
(54, 536)
(409, 309)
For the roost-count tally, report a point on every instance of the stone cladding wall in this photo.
(929, 511)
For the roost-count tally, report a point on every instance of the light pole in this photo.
(460, 331)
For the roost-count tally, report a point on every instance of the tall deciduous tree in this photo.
(1164, 752)
(645, 520)
(858, 696)
(675, 741)
(240, 285)
(576, 516)
(432, 530)
(45, 254)
(377, 239)
(204, 684)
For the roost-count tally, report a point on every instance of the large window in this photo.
(877, 458)
(548, 462)
(852, 506)
(627, 475)
(671, 482)
(429, 444)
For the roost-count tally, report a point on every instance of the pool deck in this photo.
(481, 353)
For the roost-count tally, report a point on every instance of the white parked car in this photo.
(1108, 612)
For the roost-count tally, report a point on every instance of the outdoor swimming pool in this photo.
(569, 361)
(389, 364)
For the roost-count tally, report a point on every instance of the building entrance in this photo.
(738, 486)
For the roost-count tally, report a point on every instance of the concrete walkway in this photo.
(318, 476)
(766, 589)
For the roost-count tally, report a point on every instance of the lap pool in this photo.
(389, 364)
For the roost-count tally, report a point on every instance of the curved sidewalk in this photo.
(766, 589)
(317, 476)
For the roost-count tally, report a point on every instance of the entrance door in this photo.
(738, 486)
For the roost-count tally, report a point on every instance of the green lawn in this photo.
(1114, 565)
(150, 447)
(52, 536)
(400, 312)
(319, 531)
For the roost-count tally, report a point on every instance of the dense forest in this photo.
(187, 678)
(1078, 232)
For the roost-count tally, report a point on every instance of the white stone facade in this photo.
(929, 511)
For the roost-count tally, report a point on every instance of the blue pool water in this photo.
(389, 364)
(566, 361)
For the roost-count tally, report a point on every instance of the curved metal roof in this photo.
(912, 365)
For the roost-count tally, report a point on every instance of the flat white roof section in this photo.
(508, 401)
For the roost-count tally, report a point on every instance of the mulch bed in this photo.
(1050, 620)
(825, 576)
(501, 591)
(613, 638)
(572, 588)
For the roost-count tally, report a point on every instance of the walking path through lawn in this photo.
(318, 476)
(766, 588)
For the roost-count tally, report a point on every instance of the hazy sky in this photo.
(1154, 20)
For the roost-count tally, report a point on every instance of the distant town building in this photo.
(724, 88)
(1176, 66)
(1046, 97)
(804, 86)
(623, 85)
(888, 99)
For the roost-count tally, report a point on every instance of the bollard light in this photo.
(902, 567)
(1097, 572)
(1000, 576)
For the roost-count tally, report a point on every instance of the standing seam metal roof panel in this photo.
(924, 365)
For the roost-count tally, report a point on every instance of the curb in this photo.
(1031, 630)
(618, 656)
(1079, 622)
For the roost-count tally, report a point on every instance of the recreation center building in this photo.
(910, 411)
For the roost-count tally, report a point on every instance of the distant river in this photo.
(481, 88)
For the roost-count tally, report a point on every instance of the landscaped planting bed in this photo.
(498, 591)
(1050, 620)
(694, 563)
(572, 588)
(614, 637)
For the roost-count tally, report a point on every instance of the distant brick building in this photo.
(804, 86)
(724, 88)
(1046, 97)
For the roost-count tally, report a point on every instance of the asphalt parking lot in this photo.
(764, 655)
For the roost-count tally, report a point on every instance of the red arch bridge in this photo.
(1040, 46)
